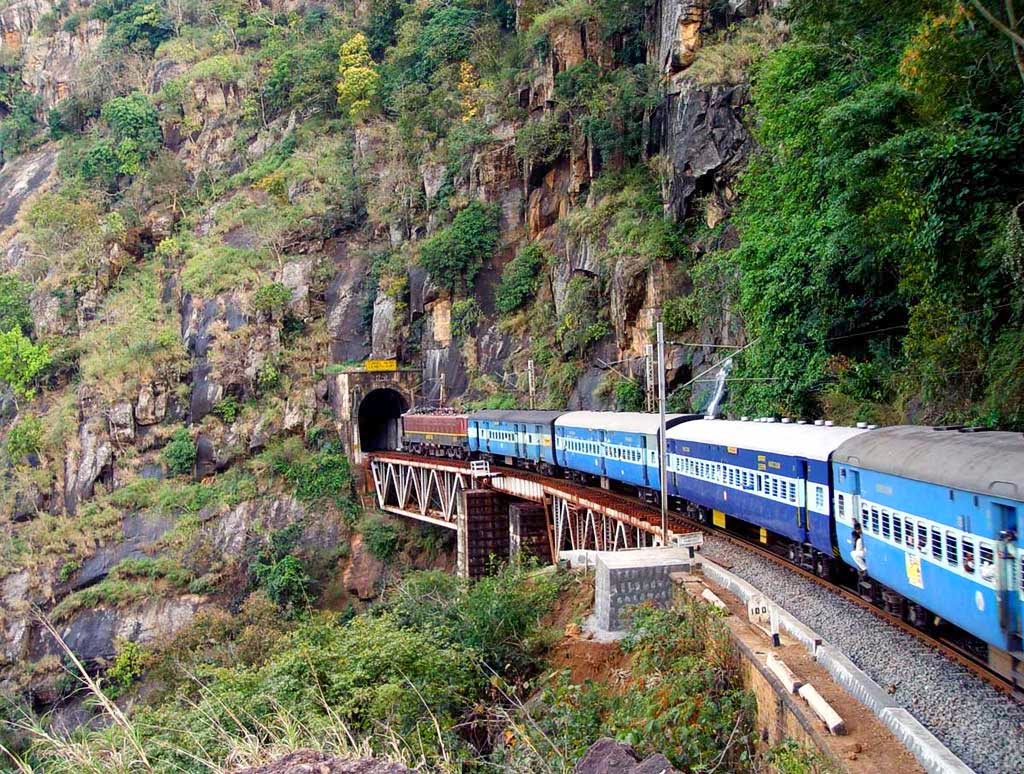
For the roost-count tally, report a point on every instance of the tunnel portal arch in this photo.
(378, 419)
(367, 406)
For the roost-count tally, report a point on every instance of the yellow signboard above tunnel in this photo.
(381, 365)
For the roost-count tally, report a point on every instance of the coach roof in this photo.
(526, 416)
(988, 462)
(812, 442)
(620, 421)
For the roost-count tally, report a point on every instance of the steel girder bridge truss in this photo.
(429, 490)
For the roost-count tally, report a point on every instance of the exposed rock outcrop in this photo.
(606, 756)
(20, 178)
(310, 762)
(92, 633)
(704, 139)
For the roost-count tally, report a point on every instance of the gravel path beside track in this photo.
(982, 726)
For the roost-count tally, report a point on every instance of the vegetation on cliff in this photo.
(212, 207)
(877, 263)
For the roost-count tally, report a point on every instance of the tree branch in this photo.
(1018, 50)
(1011, 34)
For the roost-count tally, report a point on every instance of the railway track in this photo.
(680, 523)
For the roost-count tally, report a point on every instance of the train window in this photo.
(775, 487)
(936, 544)
(986, 560)
(909, 526)
(874, 520)
(885, 524)
(819, 496)
(951, 549)
(841, 506)
(897, 529)
(922, 538)
(968, 556)
(864, 519)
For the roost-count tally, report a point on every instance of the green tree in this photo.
(135, 128)
(872, 223)
(357, 77)
(454, 255)
(132, 24)
(179, 455)
(271, 298)
(14, 308)
(22, 363)
(520, 279)
(24, 438)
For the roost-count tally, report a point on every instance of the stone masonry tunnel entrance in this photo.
(378, 419)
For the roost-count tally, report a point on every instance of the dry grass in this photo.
(128, 747)
(727, 59)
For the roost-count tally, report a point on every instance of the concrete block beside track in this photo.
(628, 578)
(854, 679)
(932, 754)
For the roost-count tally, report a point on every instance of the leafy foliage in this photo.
(24, 438)
(127, 667)
(357, 78)
(381, 539)
(873, 223)
(179, 455)
(271, 298)
(466, 313)
(583, 321)
(454, 255)
(281, 573)
(132, 24)
(684, 700)
(403, 677)
(135, 130)
(14, 309)
(314, 477)
(22, 363)
(498, 617)
(521, 278)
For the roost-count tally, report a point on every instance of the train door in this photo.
(520, 430)
(854, 487)
(803, 504)
(1010, 573)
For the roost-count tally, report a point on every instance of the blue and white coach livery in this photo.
(774, 476)
(622, 446)
(938, 510)
(515, 435)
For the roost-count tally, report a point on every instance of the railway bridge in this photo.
(498, 511)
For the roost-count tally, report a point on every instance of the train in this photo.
(923, 519)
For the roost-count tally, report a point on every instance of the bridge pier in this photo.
(528, 531)
(483, 531)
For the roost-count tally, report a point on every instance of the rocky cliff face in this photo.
(211, 290)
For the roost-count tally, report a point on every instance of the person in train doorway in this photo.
(858, 548)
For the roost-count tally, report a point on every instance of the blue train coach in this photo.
(526, 436)
(939, 511)
(772, 475)
(622, 446)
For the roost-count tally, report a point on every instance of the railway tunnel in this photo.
(378, 419)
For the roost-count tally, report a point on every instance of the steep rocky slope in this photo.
(211, 208)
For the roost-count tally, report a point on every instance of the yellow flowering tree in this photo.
(357, 78)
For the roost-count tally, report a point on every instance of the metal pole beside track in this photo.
(661, 435)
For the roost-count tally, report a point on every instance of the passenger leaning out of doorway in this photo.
(858, 547)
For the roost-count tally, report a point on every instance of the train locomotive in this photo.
(935, 509)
